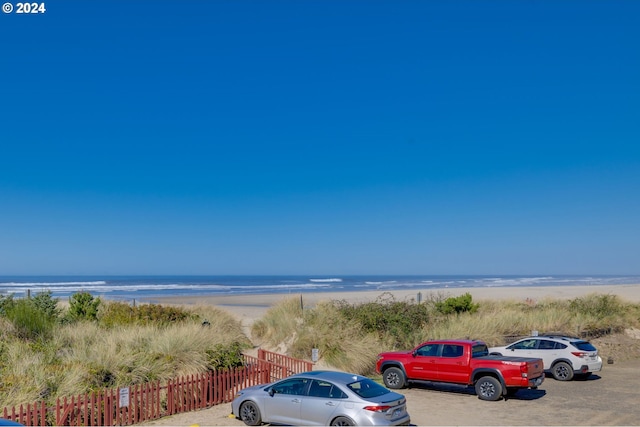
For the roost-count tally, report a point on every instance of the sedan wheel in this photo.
(342, 421)
(250, 414)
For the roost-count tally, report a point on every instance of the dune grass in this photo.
(81, 356)
(281, 324)
(349, 336)
(123, 346)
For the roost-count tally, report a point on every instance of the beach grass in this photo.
(123, 345)
(342, 334)
(82, 356)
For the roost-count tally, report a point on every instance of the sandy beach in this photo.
(251, 307)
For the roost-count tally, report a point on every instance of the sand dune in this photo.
(251, 307)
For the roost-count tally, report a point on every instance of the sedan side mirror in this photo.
(271, 392)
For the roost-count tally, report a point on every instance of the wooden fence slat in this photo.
(152, 400)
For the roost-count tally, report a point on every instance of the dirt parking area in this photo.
(610, 397)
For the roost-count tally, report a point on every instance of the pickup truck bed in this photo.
(461, 362)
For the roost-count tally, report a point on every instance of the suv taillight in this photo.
(580, 353)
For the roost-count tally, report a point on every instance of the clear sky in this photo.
(320, 137)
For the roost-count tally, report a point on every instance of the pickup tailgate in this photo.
(534, 366)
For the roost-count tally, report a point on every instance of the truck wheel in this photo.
(561, 371)
(394, 378)
(488, 388)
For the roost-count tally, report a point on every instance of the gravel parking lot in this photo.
(610, 397)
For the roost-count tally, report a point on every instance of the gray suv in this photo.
(564, 357)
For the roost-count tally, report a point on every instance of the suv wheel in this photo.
(562, 371)
(394, 378)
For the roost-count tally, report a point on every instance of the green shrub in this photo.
(83, 306)
(46, 304)
(6, 301)
(121, 313)
(597, 305)
(397, 320)
(115, 313)
(459, 304)
(596, 314)
(163, 314)
(225, 356)
(29, 321)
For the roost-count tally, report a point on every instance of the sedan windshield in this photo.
(367, 388)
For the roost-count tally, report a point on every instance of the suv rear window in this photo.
(583, 345)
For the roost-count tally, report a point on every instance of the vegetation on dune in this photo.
(47, 352)
(395, 322)
(281, 324)
(349, 336)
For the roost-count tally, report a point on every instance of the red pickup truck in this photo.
(461, 362)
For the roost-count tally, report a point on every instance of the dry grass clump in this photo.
(123, 346)
(280, 323)
(496, 322)
(348, 339)
(83, 356)
(341, 343)
(24, 374)
(223, 326)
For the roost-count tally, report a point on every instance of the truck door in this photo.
(424, 365)
(453, 366)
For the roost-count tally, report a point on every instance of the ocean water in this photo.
(145, 287)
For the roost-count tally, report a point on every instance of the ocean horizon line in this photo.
(148, 286)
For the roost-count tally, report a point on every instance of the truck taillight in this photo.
(523, 370)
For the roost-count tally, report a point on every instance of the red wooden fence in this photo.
(290, 364)
(140, 403)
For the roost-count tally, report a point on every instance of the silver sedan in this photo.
(321, 398)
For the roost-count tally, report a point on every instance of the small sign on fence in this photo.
(124, 397)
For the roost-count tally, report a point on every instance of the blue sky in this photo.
(320, 137)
